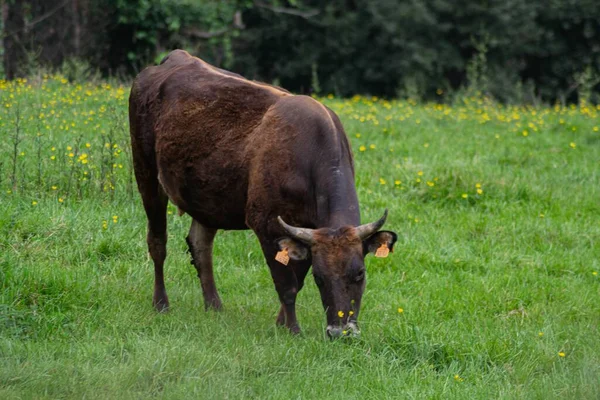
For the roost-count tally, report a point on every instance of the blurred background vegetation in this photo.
(513, 50)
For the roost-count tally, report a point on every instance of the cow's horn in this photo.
(366, 230)
(302, 234)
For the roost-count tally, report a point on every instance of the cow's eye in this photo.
(360, 276)
(318, 280)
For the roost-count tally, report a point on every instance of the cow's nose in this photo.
(352, 329)
(334, 331)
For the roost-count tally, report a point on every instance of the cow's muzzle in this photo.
(348, 330)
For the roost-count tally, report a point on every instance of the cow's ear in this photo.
(380, 243)
(294, 249)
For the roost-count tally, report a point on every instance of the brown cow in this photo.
(238, 154)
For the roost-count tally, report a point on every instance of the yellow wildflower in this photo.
(341, 314)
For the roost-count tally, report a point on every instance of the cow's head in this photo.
(338, 262)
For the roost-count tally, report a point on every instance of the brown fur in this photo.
(235, 154)
(336, 245)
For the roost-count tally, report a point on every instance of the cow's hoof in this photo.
(161, 305)
(295, 330)
(213, 304)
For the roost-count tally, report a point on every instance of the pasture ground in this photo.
(492, 292)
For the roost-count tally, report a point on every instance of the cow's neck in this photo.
(337, 202)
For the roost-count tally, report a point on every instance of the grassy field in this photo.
(493, 291)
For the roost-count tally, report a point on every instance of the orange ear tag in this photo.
(283, 257)
(382, 251)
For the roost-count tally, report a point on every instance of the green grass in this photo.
(492, 286)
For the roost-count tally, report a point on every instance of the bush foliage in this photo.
(515, 50)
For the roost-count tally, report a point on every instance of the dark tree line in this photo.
(548, 49)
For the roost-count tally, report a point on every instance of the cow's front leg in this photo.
(280, 321)
(300, 269)
(288, 274)
(286, 285)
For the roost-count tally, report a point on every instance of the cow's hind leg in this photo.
(153, 196)
(200, 241)
(156, 210)
(155, 203)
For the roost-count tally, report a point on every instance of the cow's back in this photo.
(195, 119)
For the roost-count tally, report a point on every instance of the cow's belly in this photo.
(210, 192)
